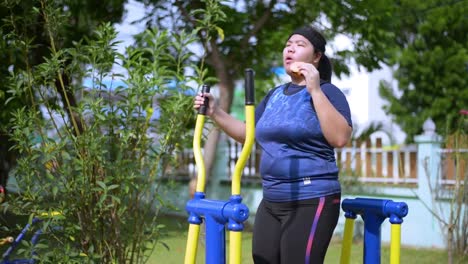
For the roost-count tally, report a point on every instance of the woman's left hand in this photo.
(311, 75)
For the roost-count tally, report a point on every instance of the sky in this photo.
(134, 11)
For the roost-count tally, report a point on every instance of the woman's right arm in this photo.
(231, 126)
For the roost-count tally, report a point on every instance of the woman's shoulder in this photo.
(327, 84)
(330, 89)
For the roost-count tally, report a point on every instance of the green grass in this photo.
(171, 249)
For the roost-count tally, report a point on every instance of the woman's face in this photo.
(298, 48)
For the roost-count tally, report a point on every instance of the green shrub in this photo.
(98, 161)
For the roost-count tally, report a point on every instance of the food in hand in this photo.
(295, 68)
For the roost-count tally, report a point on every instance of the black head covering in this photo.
(313, 36)
(318, 41)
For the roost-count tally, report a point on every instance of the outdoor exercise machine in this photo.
(8, 258)
(217, 214)
(373, 212)
(15, 242)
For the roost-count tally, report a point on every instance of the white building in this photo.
(362, 91)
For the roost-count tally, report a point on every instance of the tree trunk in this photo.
(226, 87)
(450, 244)
(7, 158)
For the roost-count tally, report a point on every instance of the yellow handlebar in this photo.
(197, 151)
(247, 148)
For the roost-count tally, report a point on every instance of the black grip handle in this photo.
(204, 107)
(249, 87)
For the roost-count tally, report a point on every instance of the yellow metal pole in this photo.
(197, 152)
(249, 140)
(235, 247)
(192, 244)
(347, 241)
(395, 244)
(194, 229)
(235, 237)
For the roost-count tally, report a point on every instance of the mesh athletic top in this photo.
(297, 162)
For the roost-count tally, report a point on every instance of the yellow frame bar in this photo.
(194, 229)
(197, 152)
(347, 241)
(235, 237)
(247, 148)
(192, 244)
(235, 247)
(395, 243)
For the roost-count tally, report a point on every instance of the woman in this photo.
(298, 125)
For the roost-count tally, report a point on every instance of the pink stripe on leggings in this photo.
(314, 227)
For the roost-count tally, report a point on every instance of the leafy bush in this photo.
(98, 162)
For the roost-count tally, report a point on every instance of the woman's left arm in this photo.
(334, 126)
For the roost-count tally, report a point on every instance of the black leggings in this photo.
(295, 232)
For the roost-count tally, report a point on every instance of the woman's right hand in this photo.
(200, 99)
(231, 126)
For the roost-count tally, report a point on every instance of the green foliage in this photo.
(26, 30)
(254, 34)
(98, 161)
(431, 66)
(426, 41)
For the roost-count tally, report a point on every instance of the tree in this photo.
(252, 34)
(22, 19)
(432, 66)
(97, 165)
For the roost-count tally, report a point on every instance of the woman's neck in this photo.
(298, 80)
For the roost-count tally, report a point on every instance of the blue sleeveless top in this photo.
(297, 162)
